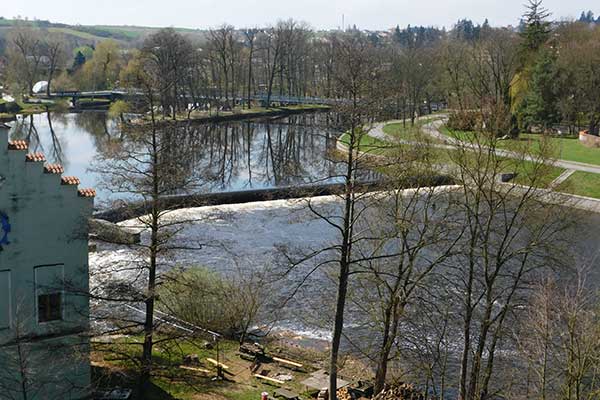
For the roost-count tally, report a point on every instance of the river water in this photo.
(231, 156)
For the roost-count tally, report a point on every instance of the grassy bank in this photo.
(31, 108)
(410, 132)
(237, 114)
(583, 184)
(114, 365)
(563, 148)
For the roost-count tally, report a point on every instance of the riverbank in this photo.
(235, 115)
(10, 111)
(185, 369)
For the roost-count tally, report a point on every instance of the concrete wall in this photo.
(589, 140)
(47, 253)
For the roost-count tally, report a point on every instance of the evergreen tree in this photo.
(536, 31)
(541, 104)
(590, 17)
(79, 61)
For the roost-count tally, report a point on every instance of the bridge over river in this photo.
(262, 98)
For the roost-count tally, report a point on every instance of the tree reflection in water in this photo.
(223, 157)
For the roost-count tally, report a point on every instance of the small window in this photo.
(5, 300)
(49, 307)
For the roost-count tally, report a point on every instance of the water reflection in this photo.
(228, 156)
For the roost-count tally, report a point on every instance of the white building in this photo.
(44, 311)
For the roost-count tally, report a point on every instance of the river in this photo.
(231, 156)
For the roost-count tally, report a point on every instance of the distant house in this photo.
(44, 310)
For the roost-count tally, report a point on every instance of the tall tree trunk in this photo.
(345, 255)
(151, 287)
(382, 359)
(249, 86)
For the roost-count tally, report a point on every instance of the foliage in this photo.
(537, 29)
(101, 72)
(118, 108)
(78, 60)
(212, 301)
(541, 104)
(464, 121)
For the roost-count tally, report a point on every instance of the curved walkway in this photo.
(433, 129)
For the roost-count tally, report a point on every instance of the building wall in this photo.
(47, 254)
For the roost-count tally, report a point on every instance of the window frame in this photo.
(10, 301)
(37, 294)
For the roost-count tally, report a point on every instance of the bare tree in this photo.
(355, 76)
(508, 232)
(148, 165)
(250, 35)
(171, 53)
(26, 49)
(54, 49)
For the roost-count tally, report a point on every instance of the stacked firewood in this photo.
(401, 391)
(344, 394)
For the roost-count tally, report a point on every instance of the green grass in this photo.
(73, 32)
(564, 148)
(368, 144)
(534, 174)
(583, 184)
(172, 382)
(407, 131)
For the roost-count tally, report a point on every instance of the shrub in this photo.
(212, 301)
(9, 107)
(464, 121)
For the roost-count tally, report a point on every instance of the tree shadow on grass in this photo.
(177, 381)
(106, 378)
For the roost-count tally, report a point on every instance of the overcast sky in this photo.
(366, 14)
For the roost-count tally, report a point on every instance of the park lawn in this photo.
(369, 144)
(563, 148)
(582, 184)
(409, 132)
(528, 171)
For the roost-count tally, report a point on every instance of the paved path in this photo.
(563, 177)
(433, 129)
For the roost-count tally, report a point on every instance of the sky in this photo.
(320, 14)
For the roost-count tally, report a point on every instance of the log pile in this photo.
(401, 391)
(344, 394)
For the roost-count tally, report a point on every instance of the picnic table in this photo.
(286, 394)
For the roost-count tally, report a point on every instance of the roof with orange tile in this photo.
(86, 193)
(18, 145)
(55, 169)
(35, 157)
(70, 180)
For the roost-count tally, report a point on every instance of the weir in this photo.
(136, 209)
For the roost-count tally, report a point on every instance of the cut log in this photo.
(204, 371)
(287, 362)
(272, 380)
(217, 364)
